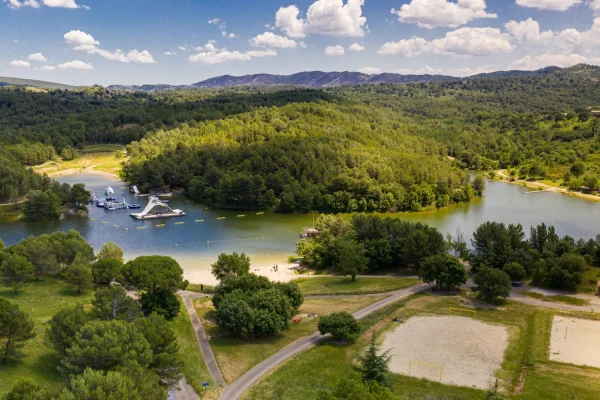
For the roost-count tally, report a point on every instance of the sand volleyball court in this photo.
(468, 351)
(575, 341)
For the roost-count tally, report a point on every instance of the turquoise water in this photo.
(271, 237)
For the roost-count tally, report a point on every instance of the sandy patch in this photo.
(285, 273)
(575, 341)
(468, 351)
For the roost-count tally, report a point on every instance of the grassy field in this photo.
(102, 160)
(344, 285)
(194, 368)
(236, 356)
(526, 372)
(41, 300)
(558, 298)
(102, 148)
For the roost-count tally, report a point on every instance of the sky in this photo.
(85, 42)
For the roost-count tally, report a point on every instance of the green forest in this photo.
(359, 148)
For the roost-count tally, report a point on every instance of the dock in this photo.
(157, 209)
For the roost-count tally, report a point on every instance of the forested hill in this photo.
(343, 148)
(5, 81)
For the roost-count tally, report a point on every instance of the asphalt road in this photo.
(236, 389)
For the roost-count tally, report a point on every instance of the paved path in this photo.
(236, 389)
(205, 349)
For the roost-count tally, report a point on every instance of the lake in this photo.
(269, 238)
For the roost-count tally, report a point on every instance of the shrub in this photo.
(342, 326)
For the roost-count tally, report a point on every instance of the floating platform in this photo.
(156, 209)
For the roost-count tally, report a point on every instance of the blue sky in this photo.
(185, 41)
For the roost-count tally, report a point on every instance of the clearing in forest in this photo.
(575, 341)
(467, 351)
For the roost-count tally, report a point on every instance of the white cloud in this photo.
(15, 41)
(20, 64)
(82, 41)
(37, 57)
(48, 68)
(214, 21)
(209, 54)
(529, 30)
(232, 36)
(334, 50)
(326, 17)
(60, 3)
(369, 70)
(545, 60)
(16, 4)
(445, 71)
(595, 5)
(356, 47)
(76, 64)
(269, 39)
(408, 47)
(557, 5)
(461, 42)
(169, 53)
(437, 13)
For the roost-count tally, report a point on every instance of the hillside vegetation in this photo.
(351, 148)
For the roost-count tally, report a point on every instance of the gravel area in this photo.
(575, 341)
(469, 351)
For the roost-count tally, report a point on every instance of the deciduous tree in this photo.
(228, 265)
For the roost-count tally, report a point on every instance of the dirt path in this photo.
(205, 349)
(545, 187)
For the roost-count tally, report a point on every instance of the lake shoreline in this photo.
(545, 187)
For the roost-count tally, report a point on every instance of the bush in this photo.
(342, 326)
(564, 272)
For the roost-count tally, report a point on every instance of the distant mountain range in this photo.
(317, 79)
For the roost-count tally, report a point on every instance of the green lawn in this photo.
(236, 356)
(41, 300)
(344, 285)
(102, 148)
(194, 368)
(526, 372)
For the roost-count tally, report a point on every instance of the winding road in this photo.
(243, 383)
(237, 388)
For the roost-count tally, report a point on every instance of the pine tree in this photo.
(375, 366)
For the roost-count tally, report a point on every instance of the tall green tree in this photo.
(107, 270)
(154, 273)
(163, 343)
(79, 274)
(492, 283)
(228, 265)
(352, 257)
(41, 206)
(105, 346)
(15, 329)
(101, 385)
(113, 303)
(16, 270)
(111, 251)
(64, 326)
(443, 269)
